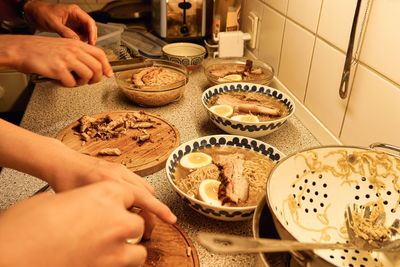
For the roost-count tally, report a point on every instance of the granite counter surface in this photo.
(53, 107)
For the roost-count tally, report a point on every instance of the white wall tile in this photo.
(296, 58)
(382, 40)
(372, 115)
(280, 5)
(305, 12)
(336, 21)
(257, 7)
(270, 38)
(323, 86)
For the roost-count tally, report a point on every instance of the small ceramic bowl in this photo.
(187, 54)
(220, 213)
(249, 129)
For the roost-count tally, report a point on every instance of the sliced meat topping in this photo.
(234, 186)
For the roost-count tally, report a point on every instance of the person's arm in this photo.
(68, 20)
(88, 226)
(65, 169)
(52, 161)
(54, 58)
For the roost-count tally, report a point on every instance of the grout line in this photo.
(312, 55)
(280, 51)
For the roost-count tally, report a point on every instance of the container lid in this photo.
(145, 43)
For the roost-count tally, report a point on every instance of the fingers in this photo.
(95, 67)
(102, 58)
(133, 178)
(88, 62)
(134, 195)
(134, 255)
(149, 223)
(134, 228)
(66, 32)
(88, 24)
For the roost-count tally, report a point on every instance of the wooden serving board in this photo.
(169, 246)
(143, 159)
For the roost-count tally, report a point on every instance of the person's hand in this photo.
(88, 226)
(69, 21)
(56, 58)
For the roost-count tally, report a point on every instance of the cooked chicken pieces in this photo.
(156, 76)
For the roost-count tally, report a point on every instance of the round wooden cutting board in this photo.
(142, 158)
(169, 246)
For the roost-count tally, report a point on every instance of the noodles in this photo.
(369, 228)
(190, 183)
(255, 171)
(370, 164)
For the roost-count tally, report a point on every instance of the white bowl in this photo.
(308, 199)
(219, 213)
(187, 54)
(249, 129)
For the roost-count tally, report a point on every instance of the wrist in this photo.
(9, 51)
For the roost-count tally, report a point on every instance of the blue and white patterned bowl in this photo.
(249, 129)
(219, 213)
(187, 54)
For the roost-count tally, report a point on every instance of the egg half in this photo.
(222, 110)
(231, 78)
(195, 160)
(208, 192)
(246, 118)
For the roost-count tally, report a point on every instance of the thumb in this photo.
(67, 32)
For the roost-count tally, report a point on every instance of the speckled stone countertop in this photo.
(52, 107)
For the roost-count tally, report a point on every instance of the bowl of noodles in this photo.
(154, 86)
(247, 109)
(309, 191)
(222, 176)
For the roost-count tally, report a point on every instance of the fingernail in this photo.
(110, 74)
(173, 218)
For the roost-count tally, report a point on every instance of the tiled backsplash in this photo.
(306, 42)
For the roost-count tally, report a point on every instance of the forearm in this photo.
(8, 51)
(30, 153)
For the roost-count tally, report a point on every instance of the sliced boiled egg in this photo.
(222, 110)
(231, 78)
(195, 160)
(208, 192)
(246, 118)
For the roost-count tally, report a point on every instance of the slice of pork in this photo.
(246, 106)
(234, 187)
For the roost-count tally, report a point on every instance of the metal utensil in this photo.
(344, 83)
(220, 243)
(235, 244)
(117, 66)
(393, 244)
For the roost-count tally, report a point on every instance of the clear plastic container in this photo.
(109, 38)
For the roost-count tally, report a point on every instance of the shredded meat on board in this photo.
(106, 128)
